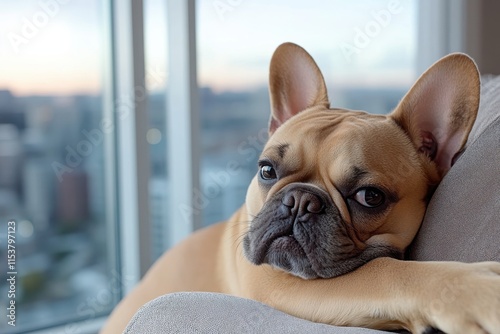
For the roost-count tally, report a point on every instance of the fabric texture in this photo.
(204, 312)
(462, 223)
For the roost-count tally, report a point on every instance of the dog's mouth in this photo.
(287, 254)
(280, 249)
(279, 238)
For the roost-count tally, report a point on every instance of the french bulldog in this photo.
(338, 197)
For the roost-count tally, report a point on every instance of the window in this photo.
(56, 181)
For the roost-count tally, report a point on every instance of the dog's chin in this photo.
(286, 253)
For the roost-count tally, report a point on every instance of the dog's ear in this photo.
(295, 83)
(439, 110)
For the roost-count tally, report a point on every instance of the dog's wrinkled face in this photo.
(336, 188)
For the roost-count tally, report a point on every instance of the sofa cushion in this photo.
(462, 221)
(205, 312)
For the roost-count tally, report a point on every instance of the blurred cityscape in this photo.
(60, 216)
(52, 184)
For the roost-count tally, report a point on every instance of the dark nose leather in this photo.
(302, 203)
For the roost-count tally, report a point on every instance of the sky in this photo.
(244, 38)
(62, 49)
(59, 52)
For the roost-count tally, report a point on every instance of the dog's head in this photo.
(336, 188)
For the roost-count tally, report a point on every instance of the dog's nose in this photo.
(301, 203)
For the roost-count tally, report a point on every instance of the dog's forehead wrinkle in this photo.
(281, 149)
(358, 172)
(276, 150)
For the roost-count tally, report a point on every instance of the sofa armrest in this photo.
(205, 312)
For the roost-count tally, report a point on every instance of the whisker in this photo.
(236, 233)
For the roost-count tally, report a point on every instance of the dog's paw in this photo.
(461, 298)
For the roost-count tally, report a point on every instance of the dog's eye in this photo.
(370, 197)
(267, 172)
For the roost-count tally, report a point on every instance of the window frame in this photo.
(131, 120)
(183, 128)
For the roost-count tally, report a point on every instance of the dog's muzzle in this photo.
(300, 230)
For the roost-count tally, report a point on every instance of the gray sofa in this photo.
(462, 223)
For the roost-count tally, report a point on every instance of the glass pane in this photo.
(365, 49)
(155, 44)
(52, 165)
